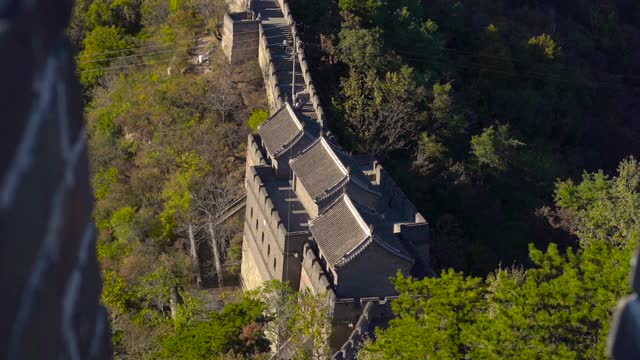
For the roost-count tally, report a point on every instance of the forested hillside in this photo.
(166, 138)
(559, 309)
(478, 107)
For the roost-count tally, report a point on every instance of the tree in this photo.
(280, 309)
(223, 94)
(99, 46)
(311, 329)
(545, 44)
(236, 329)
(213, 12)
(599, 208)
(364, 8)
(383, 114)
(495, 147)
(438, 313)
(559, 308)
(429, 153)
(209, 204)
(258, 116)
(362, 49)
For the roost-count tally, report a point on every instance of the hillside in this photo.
(492, 101)
(166, 138)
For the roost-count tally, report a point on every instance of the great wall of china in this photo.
(268, 32)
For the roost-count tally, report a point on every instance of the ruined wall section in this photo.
(49, 274)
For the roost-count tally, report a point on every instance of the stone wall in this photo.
(304, 67)
(49, 277)
(240, 37)
(375, 312)
(314, 274)
(275, 99)
(255, 157)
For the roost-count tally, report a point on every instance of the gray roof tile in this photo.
(343, 227)
(318, 168)
(282, 129)
(323, 165)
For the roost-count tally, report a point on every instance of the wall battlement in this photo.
(276, 100)
(258, 187)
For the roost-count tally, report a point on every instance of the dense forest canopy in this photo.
(495, 100)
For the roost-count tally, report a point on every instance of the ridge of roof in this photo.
(333, 155)
(327, 145)
(326, 209)
(353, 253)
(357, 215)
(337, 149)
(294, 116)
(370, 237)
(391, 248)
(364, 186)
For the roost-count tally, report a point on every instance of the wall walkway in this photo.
(277, 25)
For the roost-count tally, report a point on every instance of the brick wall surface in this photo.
(49, 276)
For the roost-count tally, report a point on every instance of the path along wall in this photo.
(276, 100)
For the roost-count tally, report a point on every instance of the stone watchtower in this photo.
(240, 37)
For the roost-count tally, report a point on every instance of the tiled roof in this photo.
(323, 166)
(318, 168)
(343, 230)
(281, 131)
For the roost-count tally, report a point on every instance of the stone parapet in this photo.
(255, 184)
(276, 101)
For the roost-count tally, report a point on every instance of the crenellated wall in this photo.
(304, 67)
(352, 318)
(375, 312)
(363, 312)
(268, 66)
(276, 251)
(314, 273)
(255, 157)
(393, 193)
(276, 101)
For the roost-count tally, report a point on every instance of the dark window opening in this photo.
(268, 249)
(274, 263)
(263, 237)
